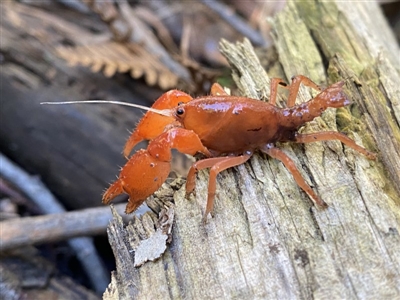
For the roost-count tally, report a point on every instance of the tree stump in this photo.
(266, 239)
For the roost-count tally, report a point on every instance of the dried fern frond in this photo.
(112, 57)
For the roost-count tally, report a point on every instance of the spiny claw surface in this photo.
(139, 178)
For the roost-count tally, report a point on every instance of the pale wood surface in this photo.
(266, 239)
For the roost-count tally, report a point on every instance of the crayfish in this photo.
(226, 130)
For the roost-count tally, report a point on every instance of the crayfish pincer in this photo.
(226, 130)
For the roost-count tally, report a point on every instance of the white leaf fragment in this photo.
(151, 248)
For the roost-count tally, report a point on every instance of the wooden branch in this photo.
(266, 239)
(22, 232)
(225, 12)
(45, 200)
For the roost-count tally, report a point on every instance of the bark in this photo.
(266, 239)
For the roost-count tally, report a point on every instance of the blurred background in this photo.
(126, 51)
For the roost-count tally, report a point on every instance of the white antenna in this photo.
(164, 112)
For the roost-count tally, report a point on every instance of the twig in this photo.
(33, 188)
(236, 22)
(160, 29)
(55, 227)
(17, 197)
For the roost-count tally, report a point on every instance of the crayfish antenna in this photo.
(163, 112)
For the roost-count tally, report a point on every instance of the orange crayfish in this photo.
(226, 130)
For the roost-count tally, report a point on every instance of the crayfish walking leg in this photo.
(217, 164)
(289, 164)
(333, 135)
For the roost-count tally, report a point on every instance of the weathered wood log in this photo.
(266, 239)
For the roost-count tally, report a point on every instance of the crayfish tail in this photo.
(334, 96)
(298, 115)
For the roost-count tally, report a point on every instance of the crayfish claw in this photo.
(132, 206)
(132, 141)
(141, 176)
(113, 191)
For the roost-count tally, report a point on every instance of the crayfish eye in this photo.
(180, 111)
